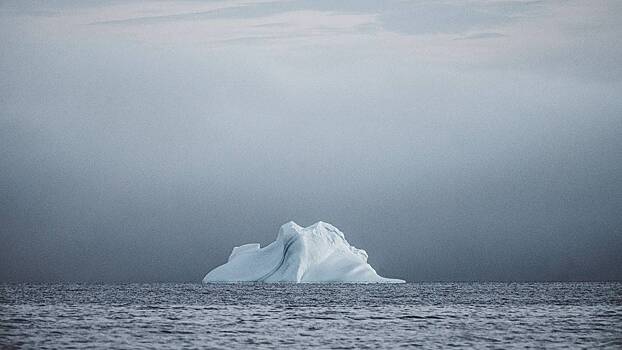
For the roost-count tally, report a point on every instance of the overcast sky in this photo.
(452, 140)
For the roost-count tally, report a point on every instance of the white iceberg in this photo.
(318, 253)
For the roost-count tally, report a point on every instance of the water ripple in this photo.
(255, 315)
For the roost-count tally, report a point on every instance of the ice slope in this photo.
(318, 253)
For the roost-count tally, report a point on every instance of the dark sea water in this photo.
(433, 315)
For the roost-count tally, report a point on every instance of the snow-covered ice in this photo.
(318, 253)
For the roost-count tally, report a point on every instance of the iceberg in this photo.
(318, 253)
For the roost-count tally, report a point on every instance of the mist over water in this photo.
(142, 141)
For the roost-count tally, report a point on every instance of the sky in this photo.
(140, 141)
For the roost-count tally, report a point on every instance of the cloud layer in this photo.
(452, 140)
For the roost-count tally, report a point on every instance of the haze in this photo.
(452, 140)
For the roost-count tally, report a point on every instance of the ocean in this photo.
(300, 316)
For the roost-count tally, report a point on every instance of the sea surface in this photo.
(344, 316)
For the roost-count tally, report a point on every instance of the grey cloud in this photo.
(125, 162)
(484, 35)
(452, 17)
(52, 7)
(418, 17)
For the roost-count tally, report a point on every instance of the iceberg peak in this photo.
(317, 253)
